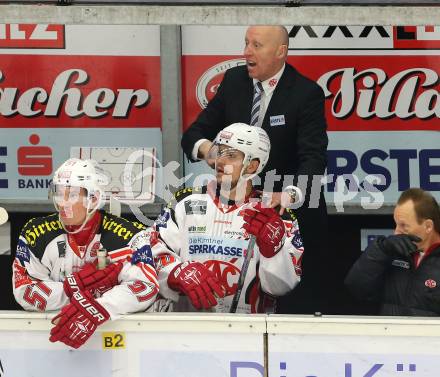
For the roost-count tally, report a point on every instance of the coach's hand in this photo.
(207, 152)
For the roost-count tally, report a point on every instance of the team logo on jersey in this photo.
(195, 207)
(226, 272)
(23, 253)
(430, 283)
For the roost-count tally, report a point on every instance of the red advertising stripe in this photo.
(416, 37)
(31, 36)
(194, 68)
(363, 93)
(49, 91)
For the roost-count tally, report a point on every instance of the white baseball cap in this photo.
(3, 216)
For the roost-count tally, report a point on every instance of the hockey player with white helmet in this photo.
(200, 241)
(92, 265)
(69, 180)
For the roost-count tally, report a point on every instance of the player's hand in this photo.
(194, 280)
(398, 245)
(78, 320)
(93, 280)
(268, 228)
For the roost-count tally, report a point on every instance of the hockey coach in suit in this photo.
(268, 92)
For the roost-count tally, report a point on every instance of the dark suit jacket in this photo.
(297, 148)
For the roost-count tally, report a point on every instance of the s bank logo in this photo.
(32, 36)
(32, 161)
(209, 82)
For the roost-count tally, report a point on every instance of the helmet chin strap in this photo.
(243, 176)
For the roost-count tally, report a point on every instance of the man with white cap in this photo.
(90, 264)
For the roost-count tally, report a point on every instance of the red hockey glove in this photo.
(78, 320)
(198, 283)
(92, 280)
(268, 228)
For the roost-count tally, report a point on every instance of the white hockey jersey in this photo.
(44, 258)
(196, 226)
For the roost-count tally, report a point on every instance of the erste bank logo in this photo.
(24, 36)
(33, 163)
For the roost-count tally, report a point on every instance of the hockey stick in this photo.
(244, 268)
(296, 195)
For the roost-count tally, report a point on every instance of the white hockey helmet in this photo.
(252, 141)
(82, 173)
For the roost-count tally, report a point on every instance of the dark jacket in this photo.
(400, 287)
(298, 147)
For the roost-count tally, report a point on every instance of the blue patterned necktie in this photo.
(256, 103)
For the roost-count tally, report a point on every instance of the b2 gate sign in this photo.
(381, 88)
